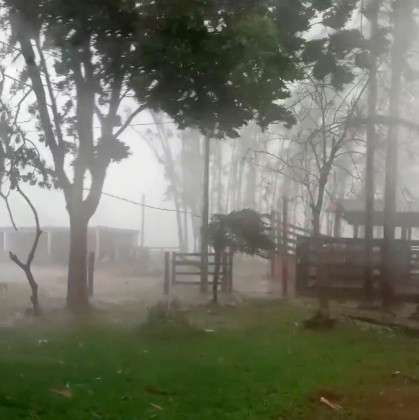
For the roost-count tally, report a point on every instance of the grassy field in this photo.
(252, 362)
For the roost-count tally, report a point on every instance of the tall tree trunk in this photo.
(250, 197)
(322, 269)
(179, 223)
(205, 211)
(388, 266)
(230, 187)
(215, 185)
(315, 221)
(239, 185)
(374, 8)
(220, 208)
(196, 234)
(77, 292)
(317, 207)
(185, 229)
(34, 289)
(233, 188)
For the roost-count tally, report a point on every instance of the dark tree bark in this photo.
(217, 265)
(401, 10)
(318, 205)
(26, 266)
(370, 165)
(77, 291)
(91, 154)
(205, 216)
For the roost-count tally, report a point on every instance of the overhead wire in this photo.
(136, 203)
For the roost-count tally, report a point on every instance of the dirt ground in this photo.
(120, 286)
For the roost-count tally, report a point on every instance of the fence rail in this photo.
(182, 264)
(344, 260)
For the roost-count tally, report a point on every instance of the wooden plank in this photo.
(188, 282)
(191, 254)
(173, 269)
(191, 263)
(166, 285)
(298, 228)
(194, 282)
(191, 273)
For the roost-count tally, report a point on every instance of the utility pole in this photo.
(205, 215)
(142, 221)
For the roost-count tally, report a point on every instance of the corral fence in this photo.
(342, 261)
(285, 237)
(186, 268)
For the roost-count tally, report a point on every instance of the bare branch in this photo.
(9, 210)
(37, 225)
(129, 120)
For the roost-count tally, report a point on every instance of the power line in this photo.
(130, 125)
(136, 203)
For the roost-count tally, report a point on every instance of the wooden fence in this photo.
(185, 268)
(343, 261)
(284, 234)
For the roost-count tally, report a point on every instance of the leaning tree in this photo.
(74, 57)
(245, 231)
(20, 163)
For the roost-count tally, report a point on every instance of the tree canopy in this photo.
(245, 231)
(218, 65)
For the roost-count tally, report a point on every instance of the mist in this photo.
(209, 209)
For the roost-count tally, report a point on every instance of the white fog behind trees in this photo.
(255, 170)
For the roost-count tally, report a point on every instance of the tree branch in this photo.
(129, 120)
(37, 225)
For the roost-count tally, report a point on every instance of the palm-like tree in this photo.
(245, 231)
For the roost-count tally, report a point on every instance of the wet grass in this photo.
(252, 362)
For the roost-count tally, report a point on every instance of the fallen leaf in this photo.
(64, 392)
(153, 390)
(158, 407)
(330, 403)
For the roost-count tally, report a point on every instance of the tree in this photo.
(372, 12)
(216, 66)
(323, 137)
(245, 231)
(162, 143)
(210, 65)
(20, 162)
(76, 60)
(403, 27)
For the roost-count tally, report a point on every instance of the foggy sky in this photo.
(139, 173)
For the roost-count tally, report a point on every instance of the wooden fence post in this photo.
(230, 272)
(224, 264)
(173, 274)
(323, 280)
(90, 272)
(166, 285)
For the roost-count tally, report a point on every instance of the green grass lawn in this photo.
(257, 364)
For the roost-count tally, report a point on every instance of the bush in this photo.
(167, 313)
